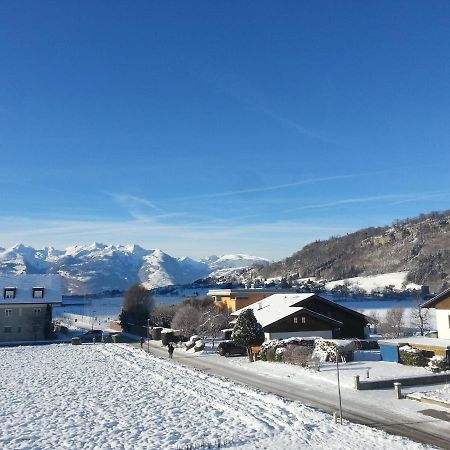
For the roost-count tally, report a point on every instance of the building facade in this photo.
(26, 303)
(441, 303)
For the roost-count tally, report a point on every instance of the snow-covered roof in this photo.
(24, 284)
(276, 307)
(418, 340)
(252, 291)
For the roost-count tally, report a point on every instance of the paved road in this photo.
(431, 426)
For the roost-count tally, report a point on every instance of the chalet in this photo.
(26, 303)
(441, 303)
(235, 299)
(296, 315)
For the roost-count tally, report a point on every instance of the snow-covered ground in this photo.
(442, 394)
(117, 397)
(364, 361)
(369, 283)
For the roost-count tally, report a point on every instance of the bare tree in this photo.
(187, 320)
(213, 320)
(393, 322)
(419, 317)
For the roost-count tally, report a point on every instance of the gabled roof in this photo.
(295, 300)
(280, 306)
(24, 285)
(437, 299)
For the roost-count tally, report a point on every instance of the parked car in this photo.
(228, 348)
(91, 335)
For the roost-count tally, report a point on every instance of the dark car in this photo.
(91, 336)
(228, 348)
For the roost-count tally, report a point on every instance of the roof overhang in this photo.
(437, 299)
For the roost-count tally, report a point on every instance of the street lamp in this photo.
(148, 335)
(339, 384)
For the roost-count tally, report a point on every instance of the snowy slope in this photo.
(114, 396)
(98, 267)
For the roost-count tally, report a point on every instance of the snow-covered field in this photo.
(369, 283)
(117, 397)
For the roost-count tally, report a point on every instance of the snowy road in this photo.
(377, 409)
(117, 397)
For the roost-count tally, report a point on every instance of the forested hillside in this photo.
(420, 246)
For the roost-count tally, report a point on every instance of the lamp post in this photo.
(339, 385)
(148, 335)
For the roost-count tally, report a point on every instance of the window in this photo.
(295, 319)
(8, 312)
(7, 329)
(38, 292)
(19, 329)
(303, 319)
(9, 293)
(37, 311)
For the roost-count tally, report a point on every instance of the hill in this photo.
(419, 246)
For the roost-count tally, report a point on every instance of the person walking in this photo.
(170, 349)
(142, 340)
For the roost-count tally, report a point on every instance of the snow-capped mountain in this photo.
(98, 267)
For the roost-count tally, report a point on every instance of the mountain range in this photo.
(98, 267)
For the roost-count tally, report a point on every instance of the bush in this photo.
(270, 354)
(156, 333)
(412, 357)
(297, 354)
(279, 352)
(199, 346)
(166, 337)
(189, 345)
(438, 364)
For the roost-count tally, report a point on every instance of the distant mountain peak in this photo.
(96, 267)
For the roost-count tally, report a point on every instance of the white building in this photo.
(441, 303)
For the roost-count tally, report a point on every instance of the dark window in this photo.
(8, 312)
(38, 292)
(9, 293)
(37, 311)
(7, 329)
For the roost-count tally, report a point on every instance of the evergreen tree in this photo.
(248, 331)
(137, 307)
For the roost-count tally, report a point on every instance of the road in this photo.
(428, 425)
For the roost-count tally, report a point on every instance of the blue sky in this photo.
(220, 127)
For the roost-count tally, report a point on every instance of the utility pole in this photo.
(339, 385)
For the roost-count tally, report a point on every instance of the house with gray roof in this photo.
(301, 315)
(26, 303)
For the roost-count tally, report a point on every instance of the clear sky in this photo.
(203, 127)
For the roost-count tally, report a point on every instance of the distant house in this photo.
(235, 299)
(296, 315)
(26, 303)
(441, 303)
